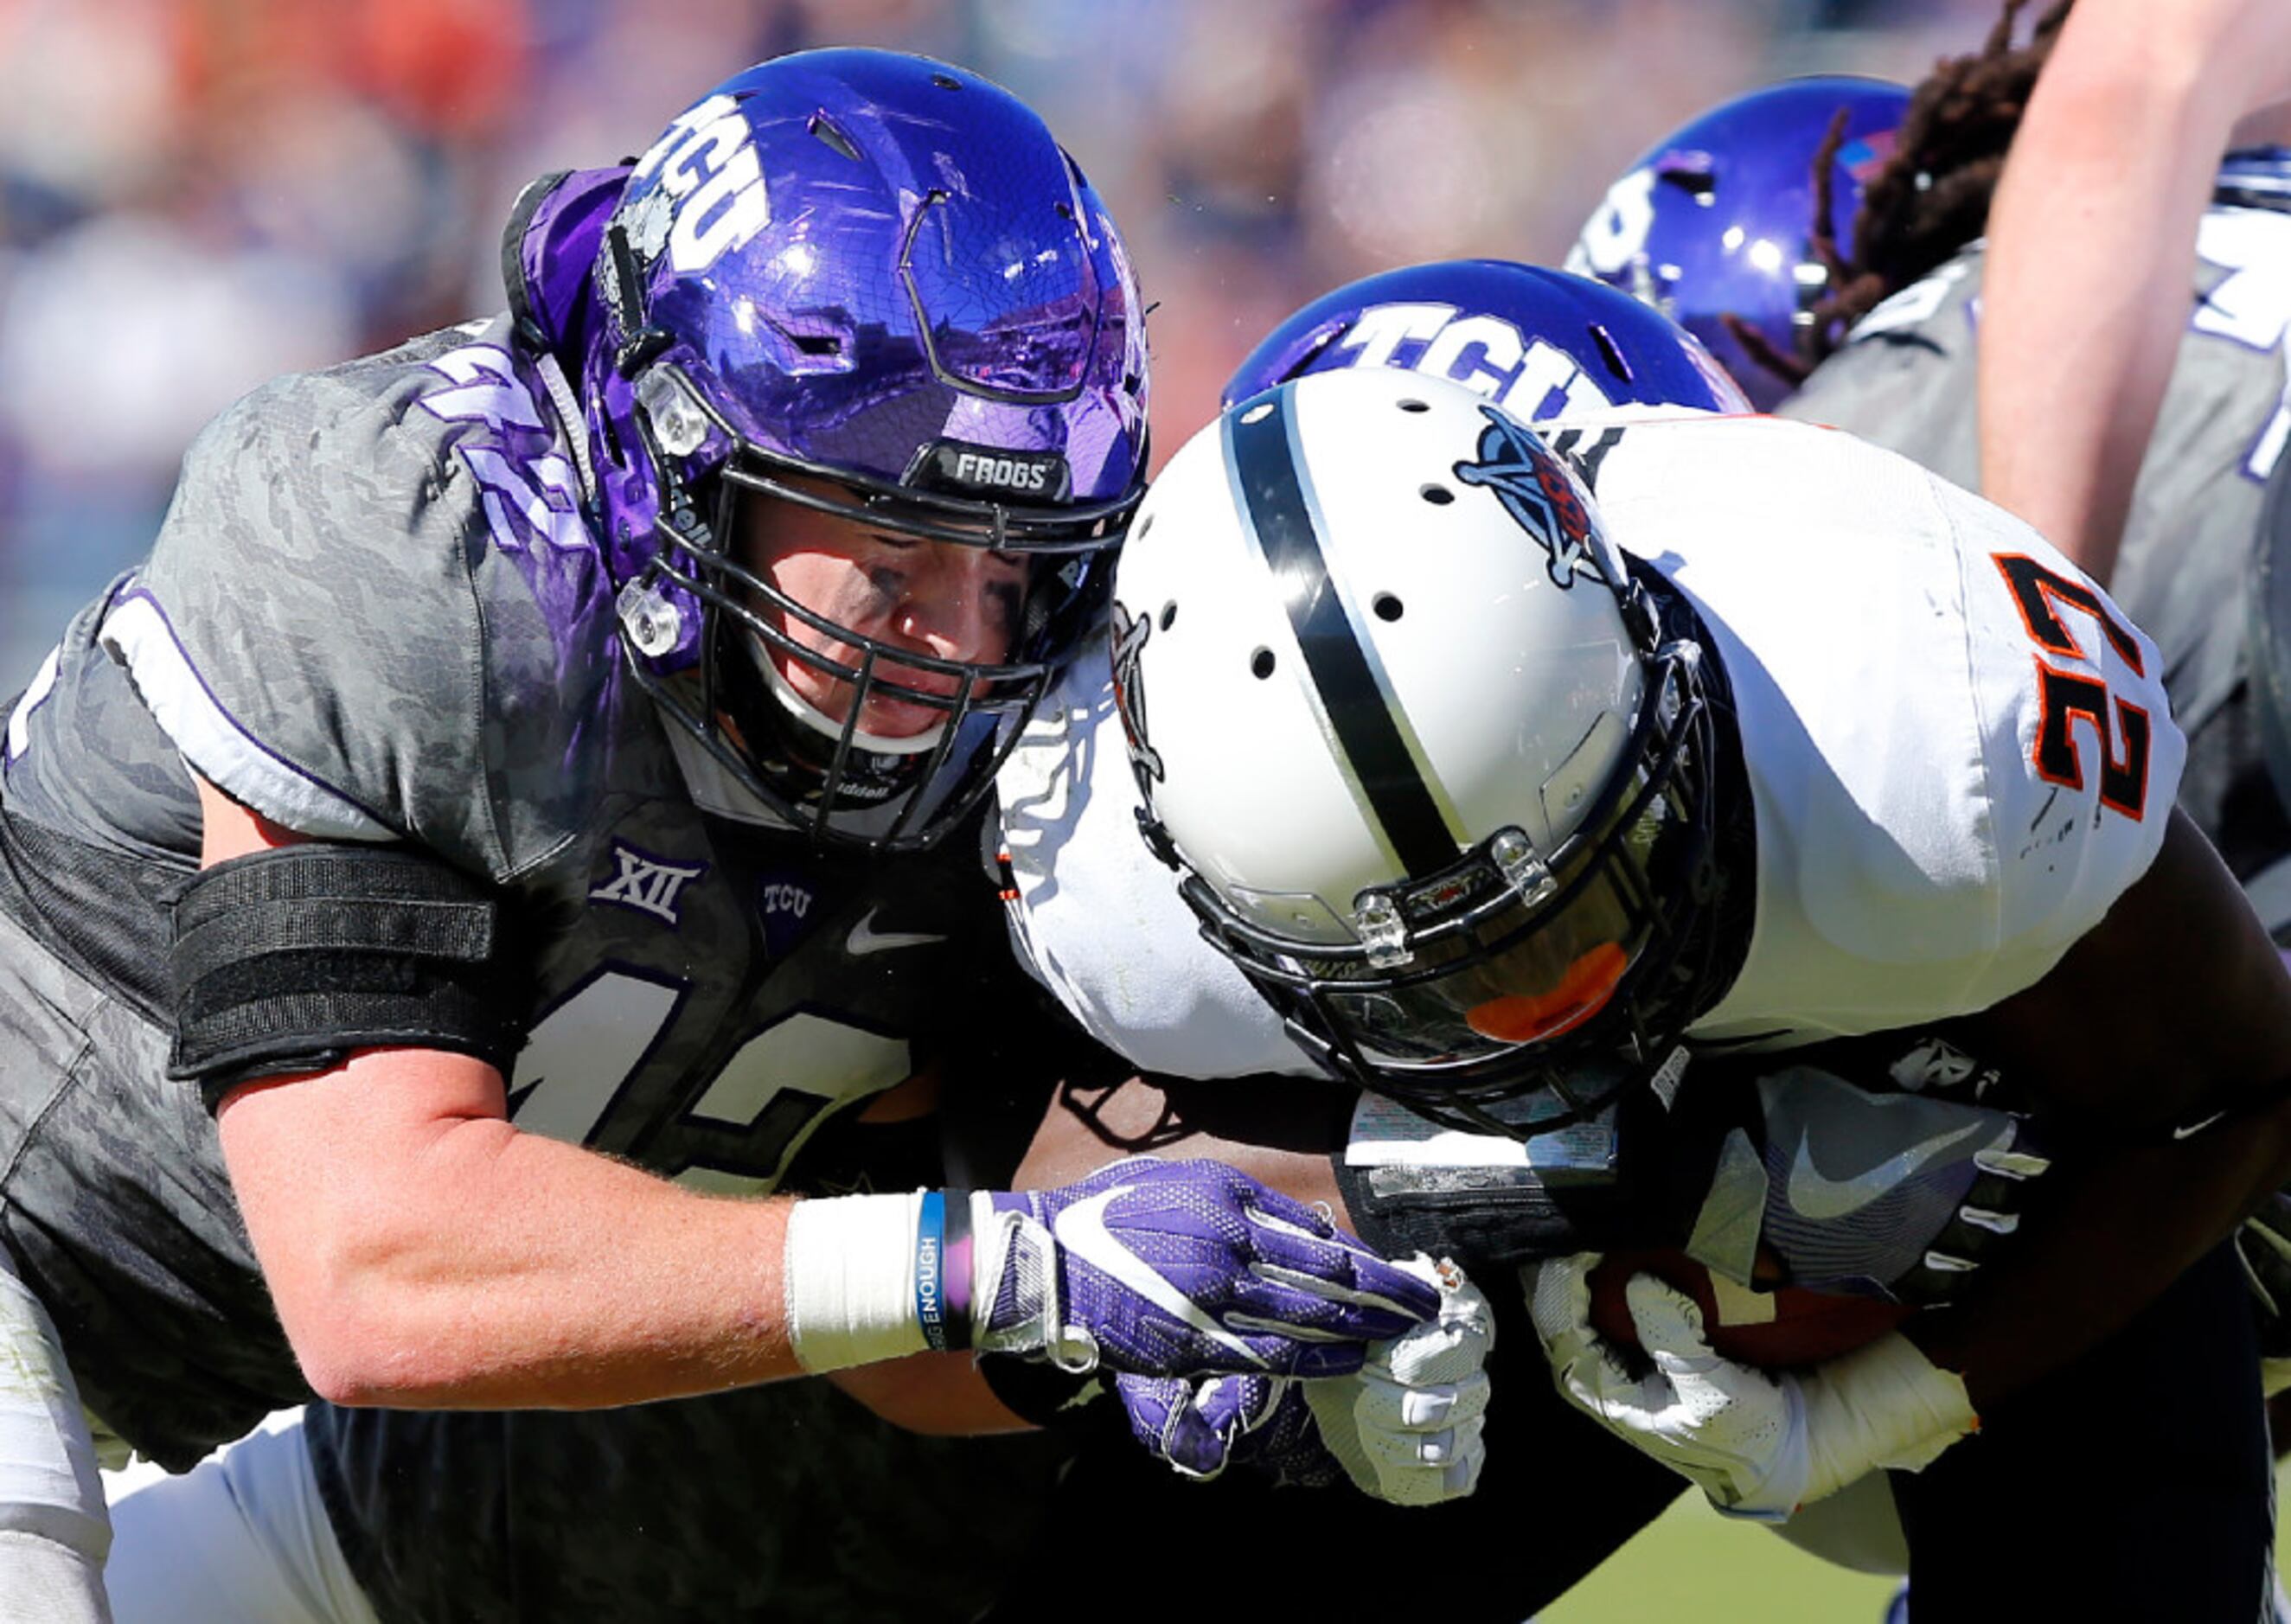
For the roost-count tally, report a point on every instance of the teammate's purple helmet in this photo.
(1541, 343)
(874, 285)
(1718, 219)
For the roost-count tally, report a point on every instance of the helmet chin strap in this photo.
(715, 790)
(812, 717)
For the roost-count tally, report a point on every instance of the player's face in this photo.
(1545, 982)
(941, 599)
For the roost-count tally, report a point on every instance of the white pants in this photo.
(53, 1533)
(241, 1539)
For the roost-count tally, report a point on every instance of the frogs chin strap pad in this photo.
(285, 961)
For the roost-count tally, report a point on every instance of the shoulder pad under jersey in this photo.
(375, 611)
(1959, 750)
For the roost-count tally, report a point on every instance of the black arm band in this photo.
(287, 960)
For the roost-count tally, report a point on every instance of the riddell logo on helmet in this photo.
(949, 464)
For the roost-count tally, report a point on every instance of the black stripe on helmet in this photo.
(1267, 473)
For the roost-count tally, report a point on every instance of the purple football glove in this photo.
(1178, 1268)
(1201, 1426)
(1405, 1428)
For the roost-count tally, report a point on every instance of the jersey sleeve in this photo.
(374, 612)
(2081, 753)
(304, 631)
(1958, 748)
(1095, 917)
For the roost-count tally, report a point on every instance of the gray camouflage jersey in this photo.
(1906, 379)
(374, 614)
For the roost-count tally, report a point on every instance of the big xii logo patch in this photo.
(646, 884)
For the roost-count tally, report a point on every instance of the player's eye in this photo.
(880, 542)
(1007, 599)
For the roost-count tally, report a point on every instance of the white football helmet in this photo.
(1432, 774)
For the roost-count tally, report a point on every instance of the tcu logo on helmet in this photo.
(1536, 491)
(709, 197)
(1484, 352)
(1129, 634)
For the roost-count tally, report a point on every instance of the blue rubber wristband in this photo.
(930, 1269)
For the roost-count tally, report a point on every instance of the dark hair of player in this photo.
(1931, 197)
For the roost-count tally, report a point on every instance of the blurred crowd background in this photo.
(198, 194)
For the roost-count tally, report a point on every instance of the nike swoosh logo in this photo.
(2193, 1129)
(1082, 1230)
(864, 938)
(1820, 1197)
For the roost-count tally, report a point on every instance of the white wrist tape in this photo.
(1883, 1405)
(850, 1271)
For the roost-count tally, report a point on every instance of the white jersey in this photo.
(1097, 918)
(1959, 755)
(1959, 750)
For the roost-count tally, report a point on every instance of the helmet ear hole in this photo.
(1414, 405)
(1260, 664)
(1387, 606)
(1438, 495)
(831, 135)
(1689, 176)
(1169, 613)
(1611, 352)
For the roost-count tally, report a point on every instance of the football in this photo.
(1773, 1330)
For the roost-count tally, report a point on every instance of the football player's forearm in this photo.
(939, 1395)
(514, 1271)
(2111, 1238)
(2162, 1043)
(2092, 251)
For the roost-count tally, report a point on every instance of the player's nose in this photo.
(956, 611)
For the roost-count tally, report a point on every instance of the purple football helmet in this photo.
(1541, 343)
(1717, 219)
(871, 285)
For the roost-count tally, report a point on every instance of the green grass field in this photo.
(1692, 1567)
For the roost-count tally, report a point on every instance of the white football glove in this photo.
(1404, 1428)
(1407, 1426)
(2263, 1247)
(1758, 1444)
